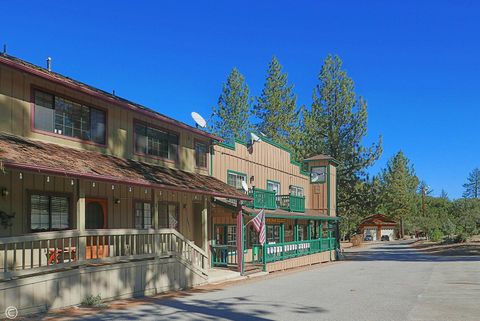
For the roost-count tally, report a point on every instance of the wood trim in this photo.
(152, 212)
(207, 148)
(31, 192)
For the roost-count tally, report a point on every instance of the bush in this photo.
(461, 238)
(93, 301)
(436, 235)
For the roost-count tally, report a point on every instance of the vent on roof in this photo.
(4, 49)
(49, 64)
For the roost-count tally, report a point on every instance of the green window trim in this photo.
(298, 188)
(275, 182)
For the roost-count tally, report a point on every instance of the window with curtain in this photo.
(65, 117)
(49, 213)
(168, 215)
(274, 187)
(156, 142)
(235, 179)
(143, 215)
(273, 234)
(296, 190)
(200, 154)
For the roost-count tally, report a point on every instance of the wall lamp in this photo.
(117, 201)
(4, 191)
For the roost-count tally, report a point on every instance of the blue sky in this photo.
(415, 62)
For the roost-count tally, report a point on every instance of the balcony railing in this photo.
(269, 200)
(291, 203)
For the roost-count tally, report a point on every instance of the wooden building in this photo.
(101, 195)
(378, 225)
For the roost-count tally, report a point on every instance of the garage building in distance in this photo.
(378, 225)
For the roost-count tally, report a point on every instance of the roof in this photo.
(321, 157)
(377, 219)
(32, 69)
(25, 154)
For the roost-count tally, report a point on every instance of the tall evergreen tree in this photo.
(276, 108)
(400, 185)
(336, 125)
(472, 186)
(230, 118)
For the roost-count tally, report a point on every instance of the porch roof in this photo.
(26, 154)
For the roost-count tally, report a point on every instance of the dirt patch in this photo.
(460, 249)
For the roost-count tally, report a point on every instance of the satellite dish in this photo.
(255, 138)
(199, 120)
(245, 186)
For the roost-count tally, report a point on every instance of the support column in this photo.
(81, 207)
(239, 237)
(155, 223)
(205, 224)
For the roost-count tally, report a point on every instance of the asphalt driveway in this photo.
(384, 281)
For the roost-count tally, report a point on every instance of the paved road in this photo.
(385, 281)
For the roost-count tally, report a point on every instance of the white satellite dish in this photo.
(199, 120)
(255, 138)
(245, 186)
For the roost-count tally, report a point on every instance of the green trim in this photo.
(299, 217)
(328, 190)
(275, 182)
(326, 173)
(231, 145)
(229, 171)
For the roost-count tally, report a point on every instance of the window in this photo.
(64, 117)
(296, 190)
(301, 233)
(231, 235)
(273, 234)
(168, 215)
(274, 187)
(200, 154)
(156, 142)
(143, 215)
(235, 179)
(49, 212)
(318, 174)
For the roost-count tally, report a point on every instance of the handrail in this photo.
(39, 252)
(286, 250)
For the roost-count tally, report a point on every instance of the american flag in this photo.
(259, 225)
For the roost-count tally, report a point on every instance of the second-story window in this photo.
(156, 142)
(61, 116)
(296, 190)
(200, 154)
(274, 187)
(235, 179)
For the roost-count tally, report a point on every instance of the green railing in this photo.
(291, 203)
(283, 251)
(262, 199)
(224, 255)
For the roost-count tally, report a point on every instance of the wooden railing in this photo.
(224, 255)
(50, 251)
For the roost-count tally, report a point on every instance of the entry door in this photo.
(96, 213)
(197, 224)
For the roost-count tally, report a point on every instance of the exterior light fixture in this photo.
(146, 191)
(93, 184)
(48, 179)
(20, 176)
(130, 189)
(252, 179)
(4, 191)
(117, 201)
(72, 182)
(113, 187)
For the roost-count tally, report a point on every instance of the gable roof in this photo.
(35, 70)
(25, 154)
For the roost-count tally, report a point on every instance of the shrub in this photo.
(93, 301)
(436, 235)
(461, 238)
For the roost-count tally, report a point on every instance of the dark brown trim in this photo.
(137, 121)
(71, 203)
(102, 96)
(43, 132)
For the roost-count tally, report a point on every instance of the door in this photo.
(96, 218)
(197, 224)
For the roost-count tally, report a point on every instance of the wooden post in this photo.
(205, 224)
(156, 225)
(239, 237)
(81, 207)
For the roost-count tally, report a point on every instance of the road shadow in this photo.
(403, 252)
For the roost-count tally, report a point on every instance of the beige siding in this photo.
(16, 113)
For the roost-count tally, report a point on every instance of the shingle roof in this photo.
(22, 153)
(319, 157)
(101, 94)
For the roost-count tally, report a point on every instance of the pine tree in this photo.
(399, 189)
(231, 115)
(472, 186)
(276, 108)
(336, 125)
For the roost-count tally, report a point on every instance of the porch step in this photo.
(221, 275)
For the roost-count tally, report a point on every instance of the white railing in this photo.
(51, 251)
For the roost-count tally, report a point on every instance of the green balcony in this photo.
(291, 203)
(262, 199)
